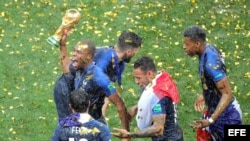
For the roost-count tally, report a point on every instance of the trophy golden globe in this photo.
(71, 17)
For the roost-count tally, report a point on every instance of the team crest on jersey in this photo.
(84, 82)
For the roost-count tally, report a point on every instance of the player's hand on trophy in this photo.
(70, 19)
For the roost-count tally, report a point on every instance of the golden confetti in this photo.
(155, 46)
(30, 66)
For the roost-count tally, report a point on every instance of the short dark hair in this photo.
(79, 100)
(91, 46)
(129, 39)
(195, 33)
(145, 63)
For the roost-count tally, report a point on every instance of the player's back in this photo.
(89, 131)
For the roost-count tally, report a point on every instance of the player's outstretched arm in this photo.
(122, 110)
(64, 56)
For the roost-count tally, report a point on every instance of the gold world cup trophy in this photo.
(71, 17)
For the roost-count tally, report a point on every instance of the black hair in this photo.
(91, 46)
(195, 33)
(79, 100)
(145, 63)
(129, 39)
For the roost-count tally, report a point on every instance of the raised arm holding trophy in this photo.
(71, 17)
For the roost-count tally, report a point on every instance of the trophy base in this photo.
(53, 41)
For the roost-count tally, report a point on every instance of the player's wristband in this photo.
(210, 120)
